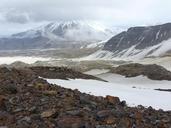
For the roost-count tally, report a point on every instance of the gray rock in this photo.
(103, 114)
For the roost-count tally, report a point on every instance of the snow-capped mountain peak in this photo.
(58, 34)
(70, 31)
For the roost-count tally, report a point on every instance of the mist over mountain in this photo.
(58, 35)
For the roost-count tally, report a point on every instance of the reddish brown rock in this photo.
(111, 120)
(113, 100)
(6, 118)
(50, 92)
(2, 102)
(70, 122)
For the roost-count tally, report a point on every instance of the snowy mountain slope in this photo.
(137, 43)
(134, 54)
(57, 34)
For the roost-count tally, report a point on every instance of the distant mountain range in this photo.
(57, 35)
(137, 43)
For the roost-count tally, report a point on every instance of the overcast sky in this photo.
(18, 15)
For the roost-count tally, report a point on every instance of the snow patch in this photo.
(28, 60)
(97, 71)
(143, 93)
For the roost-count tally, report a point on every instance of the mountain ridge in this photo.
(137, 43)
(57, 35)
(143, 35)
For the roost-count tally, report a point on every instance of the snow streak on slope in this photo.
(97, 71)
(95, 45)
(142, 94)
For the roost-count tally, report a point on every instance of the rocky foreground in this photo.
(153, 71)
(27, 101)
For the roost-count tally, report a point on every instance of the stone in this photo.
(10, 89)
(35, 117)
(30, 85)
(138, 115)
(70, 122)
(124, 123)
(6, 118)
(27, 119)
(18, 110)
(49, 113)
(2, 102)
(119, 113)
(113, 100)
(33, 109)
(103, 114)
(14, 100)
(50, 92)
(74, 112)
(111, 120)
(24, 122)
(123, 103)
(87, 108)
(105, 126)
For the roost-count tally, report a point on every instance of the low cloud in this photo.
(107, 12)
(112, 11)
(16, 17)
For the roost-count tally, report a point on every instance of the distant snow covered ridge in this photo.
(70, 30)
(137, 43)
(129, 89)
(28, 60)
(59, 35)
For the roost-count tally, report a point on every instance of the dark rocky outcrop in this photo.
(142, 37)
(31, 102)
(138, 43)
(165, 90)
(154, 72)
(61, 73)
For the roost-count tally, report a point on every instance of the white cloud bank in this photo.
(112, 12)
